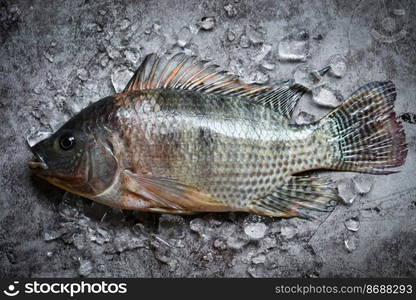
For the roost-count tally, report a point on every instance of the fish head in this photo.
(81, 157)
(61, 158)
(76, 161)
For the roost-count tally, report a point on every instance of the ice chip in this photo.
(305, 75)
(193, 29)
(201, 227)
(268, 66)
(346, 191)
(184, 37)
(389, 24)
(219, 244)
(230, 10)
(156, 28)
(38, 89)
(181, 43)
(399, 12)
(288, 232)
(171, 227)
(112, 52)
(133, 56)
(48, 56)
(352, 224)
(82, 74)
(99, 236)
(125, 23)
(230, 35)
(363, 183)
(124, 241)
(351, 243)
(255, 231)
(104, 61)
(34, 138)
(326, 96)
(304, 118)
(207, 23)
(338, 66)
(244, 41)
(263, 52)
(236, 241)
(120, 78)
(85, 268)
(52, 235)
(294, 48)
(208, 257)
(255, 35)
(258, 77)
(79, 241)
(259, 259)
(139, 229)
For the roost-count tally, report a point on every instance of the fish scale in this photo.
(263, 147)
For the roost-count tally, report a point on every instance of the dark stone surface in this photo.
(58, 56)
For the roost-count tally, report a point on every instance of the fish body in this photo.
(184, 137)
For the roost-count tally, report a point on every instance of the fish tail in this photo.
(365, 132)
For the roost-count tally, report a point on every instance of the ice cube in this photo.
(351, 243)
(294, 48)
(306, 76)
(255, 231)
(363, 183)
(125, 23)
(346, 191)
(244, 41)
(207, 23)
(82, 74)
(326, 96)
(230, 35)
(268, 66)
(35, 137)
(230, 10)
(352, 224)
(171, 227)
(255, 34)
(304, 118)
(85, 267)
(338, 66)
(120, 78)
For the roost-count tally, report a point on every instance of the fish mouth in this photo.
(37, 163)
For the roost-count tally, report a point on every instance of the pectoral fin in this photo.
(168, 195)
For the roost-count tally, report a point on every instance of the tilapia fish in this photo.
(185, 136)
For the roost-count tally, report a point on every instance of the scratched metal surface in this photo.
(58, 56)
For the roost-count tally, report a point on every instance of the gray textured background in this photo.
(58, 56)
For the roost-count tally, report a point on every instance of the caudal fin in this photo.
(366, 132)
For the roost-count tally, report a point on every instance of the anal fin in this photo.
(298, 194)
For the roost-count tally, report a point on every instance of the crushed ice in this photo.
(120, 78)
(294, 47)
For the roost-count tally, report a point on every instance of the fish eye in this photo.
(67, 142)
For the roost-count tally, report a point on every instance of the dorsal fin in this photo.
(183, 72)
